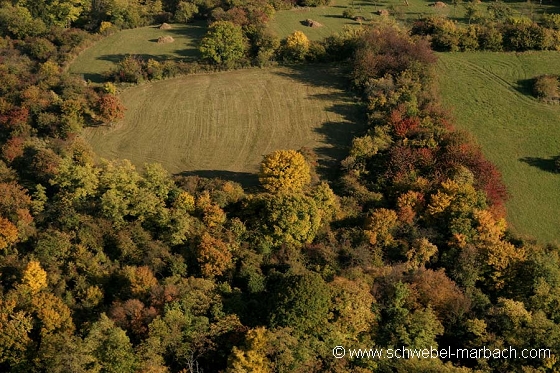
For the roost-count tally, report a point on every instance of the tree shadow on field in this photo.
(249, 181)
(525, 86)
(94, 77)
(318, 75)
(338, 136)
(545, 164)
(351, 115)
(115, 58)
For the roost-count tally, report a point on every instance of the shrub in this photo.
(154, 70)
(107, 28)
(499, 11)
(110, 108)
(469, 38)
(446, 36)
(522, 36)
(546, 87)
(129, 70)
(349, 13)
(265, 46)
(473, 12)
(296, 46)
(40, 48)
(317, 51)
(490, 38)
(314, 2)
(551, 21)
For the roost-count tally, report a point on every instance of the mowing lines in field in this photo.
(225, 121)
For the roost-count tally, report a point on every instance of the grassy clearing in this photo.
(102, 56)
(491, 98)
(222, 124)
(287, 21)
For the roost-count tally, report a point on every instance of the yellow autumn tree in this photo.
(420, 253)
(252, 358)
(499, 254)
(34, 277)
(53, 314)
(15, 330)
(284, 171)
(185, 202)
(297, 46)
(351, 308)
(380, 225)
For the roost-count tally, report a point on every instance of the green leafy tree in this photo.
(185, 11)
(300, 302)
(111, 347)
(224, 43)
(15, 338)
(17, 21)
(499, 11)
(473, 12)
(289, 219)
(56, 12)
(284, 171)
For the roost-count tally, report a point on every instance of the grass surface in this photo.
(221, 125)
(286, 22)
(102, 56)
(490, 95)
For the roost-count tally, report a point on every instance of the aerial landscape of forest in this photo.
(263, 186)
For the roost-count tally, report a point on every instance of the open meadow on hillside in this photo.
(102, 56)
(330, 17)
(222, 124)
(490, 97)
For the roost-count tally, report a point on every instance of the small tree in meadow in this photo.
(296, 46)
(546, 87)
(224, 43)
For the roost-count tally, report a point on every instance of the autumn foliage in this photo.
(109, 267)
(284, 171)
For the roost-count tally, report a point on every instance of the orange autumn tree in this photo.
(8, 233)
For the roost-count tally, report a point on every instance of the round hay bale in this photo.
(165, 39)
(313, 24)
(383, 12)
(359, 19)
(165, 26)
(439, 4)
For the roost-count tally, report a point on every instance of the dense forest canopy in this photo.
(108, 268)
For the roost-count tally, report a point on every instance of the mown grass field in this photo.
(490, 96)
(103, 55)
(222, 124)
